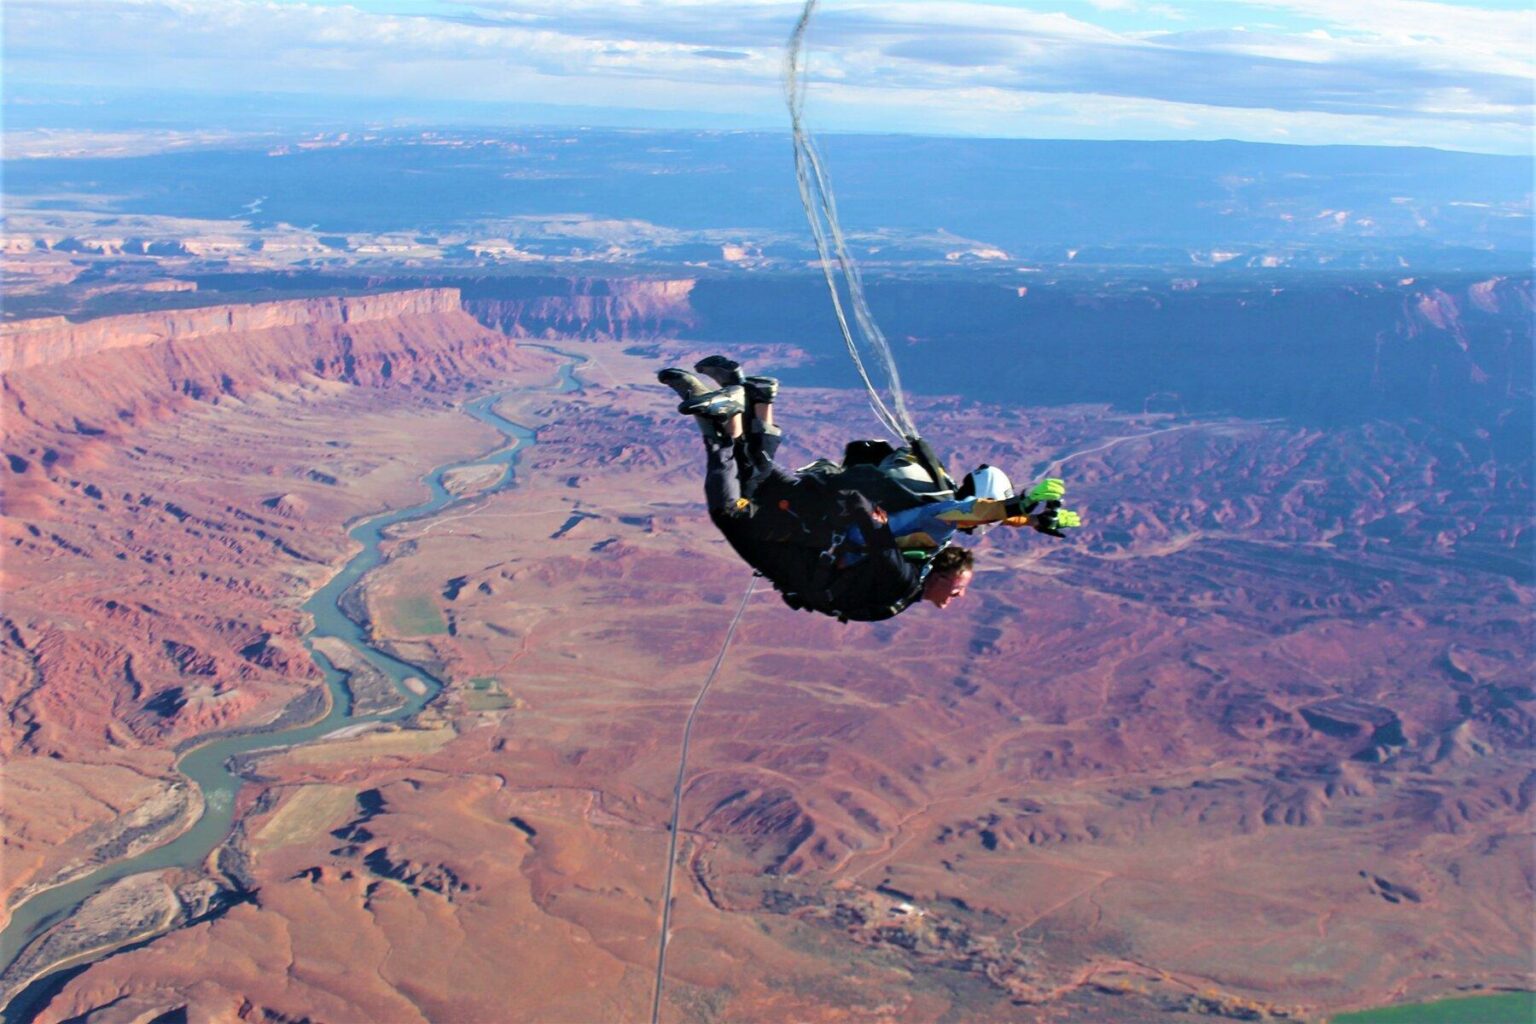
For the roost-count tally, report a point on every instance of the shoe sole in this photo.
(684, 383)
(719, 369)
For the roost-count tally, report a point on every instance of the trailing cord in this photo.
(832, 247)
(677, 804)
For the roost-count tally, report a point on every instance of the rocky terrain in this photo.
(173, 488)
(1255, 743)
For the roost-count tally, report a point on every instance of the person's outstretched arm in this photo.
(933, 525)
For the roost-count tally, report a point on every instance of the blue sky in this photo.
(1456, 75)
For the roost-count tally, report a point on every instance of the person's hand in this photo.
(1052, 520)
(1049, 489)
(879, 516)
(1048, 492)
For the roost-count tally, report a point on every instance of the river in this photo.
(208, 766)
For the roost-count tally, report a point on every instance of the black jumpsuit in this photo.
(784, 525)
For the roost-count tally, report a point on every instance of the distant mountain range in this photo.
(673, 198)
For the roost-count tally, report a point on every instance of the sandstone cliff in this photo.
(91, 378)
(53, 339)
(583, 307)
(1453, 348)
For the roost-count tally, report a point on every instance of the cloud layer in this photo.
(1458, 75)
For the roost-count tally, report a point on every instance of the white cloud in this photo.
(1440, 72)
(1449, 35)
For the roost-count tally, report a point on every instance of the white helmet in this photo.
(985, 482)
(988, 482)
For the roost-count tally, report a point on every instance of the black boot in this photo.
(716, 405)
(761, 390)
(684, 383)
(725, 371)
(691, 389)
(713, 410)
(720, 369)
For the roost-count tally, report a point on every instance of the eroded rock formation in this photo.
(101, 376)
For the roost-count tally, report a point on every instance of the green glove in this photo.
(1053, 520)
(1049, 489)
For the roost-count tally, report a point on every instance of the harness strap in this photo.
(929, 460)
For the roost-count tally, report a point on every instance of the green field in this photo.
(308, 814)
(485, 694)
(416, 616)
(1505, 1008)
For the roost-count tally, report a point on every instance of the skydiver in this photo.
(824, 548)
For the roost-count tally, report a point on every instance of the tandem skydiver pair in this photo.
(863, 539)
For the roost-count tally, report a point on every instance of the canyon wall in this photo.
(1317, 349)
(92, 378)
(52, 340)
(1455, 349)
(582, 307)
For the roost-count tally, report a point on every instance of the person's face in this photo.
(942, 588)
